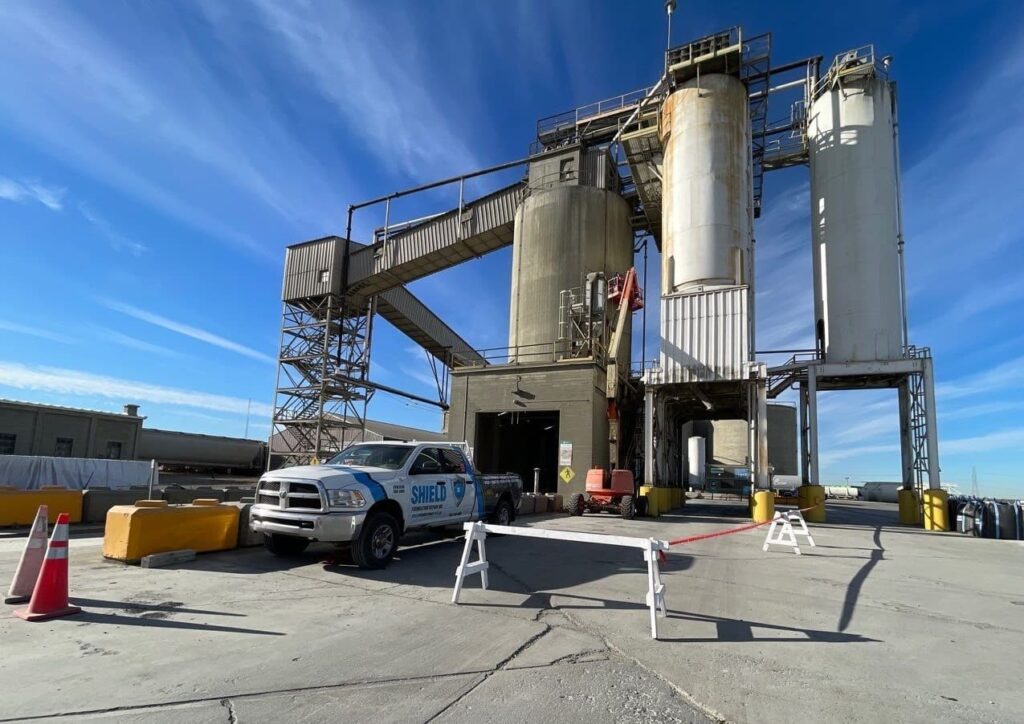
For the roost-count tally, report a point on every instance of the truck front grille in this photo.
(288, 495)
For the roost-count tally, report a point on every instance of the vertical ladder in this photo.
(919, 431)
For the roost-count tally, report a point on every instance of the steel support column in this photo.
(804, 454)
(761, 391)
(812, 424)
(932, 433)
(906, 435)
(648, 436)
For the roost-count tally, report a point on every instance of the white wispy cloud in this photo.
(138, 106)
(75, 382)
(23, 191)
(187, 330)
(118, 241)
(18, 328)
(387, 102)
(140, 344)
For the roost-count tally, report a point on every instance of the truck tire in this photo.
(503, 513)
(627, 507)
(284, 545)
(576, 504)
(377, 541)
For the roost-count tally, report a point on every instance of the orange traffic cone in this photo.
(50, 596)
(31, 560)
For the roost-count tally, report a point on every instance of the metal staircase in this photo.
(920, 463)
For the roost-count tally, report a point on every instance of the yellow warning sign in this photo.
(567, 474)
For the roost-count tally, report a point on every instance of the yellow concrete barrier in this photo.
(651, 495)
(664, 499)
(936, 510)
(910, 507)
(812, 495)
(153, 526)
(764, 506)
(18, 507)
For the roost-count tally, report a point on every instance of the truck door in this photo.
(461, 500)
(429, 489)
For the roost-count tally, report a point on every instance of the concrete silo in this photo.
(563, 231)
(855, 219)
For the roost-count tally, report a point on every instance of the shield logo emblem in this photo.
(459, 488)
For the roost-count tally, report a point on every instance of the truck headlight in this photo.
(346, 499)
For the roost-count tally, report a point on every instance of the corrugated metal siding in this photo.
(304, 266)
(598, 171)
(435, 245)
(410, 315)
(704, 336)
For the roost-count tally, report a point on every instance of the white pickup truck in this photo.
(371, 493)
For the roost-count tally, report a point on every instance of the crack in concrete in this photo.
(230, 706)
(500, 666)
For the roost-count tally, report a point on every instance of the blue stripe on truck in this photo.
(375, 488)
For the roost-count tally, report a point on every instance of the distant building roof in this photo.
(60, 408)
(376, 430)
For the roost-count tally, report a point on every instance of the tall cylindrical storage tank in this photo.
(854, 221)
(707, 209)
(561, 234)
(696, 453)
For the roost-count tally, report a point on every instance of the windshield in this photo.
(391, 457)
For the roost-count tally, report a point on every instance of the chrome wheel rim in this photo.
(504, 515)
(382, 542)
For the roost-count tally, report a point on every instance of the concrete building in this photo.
(34, 429)
(543, 415)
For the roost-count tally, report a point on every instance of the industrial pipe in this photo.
(536, 481)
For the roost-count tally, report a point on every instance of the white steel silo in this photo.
(707, 212)
(854, 215)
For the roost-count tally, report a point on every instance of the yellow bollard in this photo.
(763, 508)
(936, 510)
(910, 508)
(812, 495)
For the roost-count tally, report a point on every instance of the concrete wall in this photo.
(729, 446)
(37, 429)
(573, 389)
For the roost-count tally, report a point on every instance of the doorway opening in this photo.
(518, 442)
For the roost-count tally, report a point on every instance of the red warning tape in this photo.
(718, 533)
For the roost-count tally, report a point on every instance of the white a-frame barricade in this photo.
(477, 533)
(786, 526)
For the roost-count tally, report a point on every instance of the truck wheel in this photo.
(628, 507)
(377, 541)
(576, 504)
(284, 545)
(502, 514)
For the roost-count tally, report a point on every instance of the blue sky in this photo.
(156, 158)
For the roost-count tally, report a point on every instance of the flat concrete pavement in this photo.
(878, 622)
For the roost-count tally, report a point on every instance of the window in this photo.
(325, 276)
(452, 460)
(113, 450)
(567, 169)
(63, 446)
(427, 463)
(7, 440)
(389, 457)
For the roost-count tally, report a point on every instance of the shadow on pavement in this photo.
(135, 606)
(857, 582)
(116, 620)
(732, 630)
